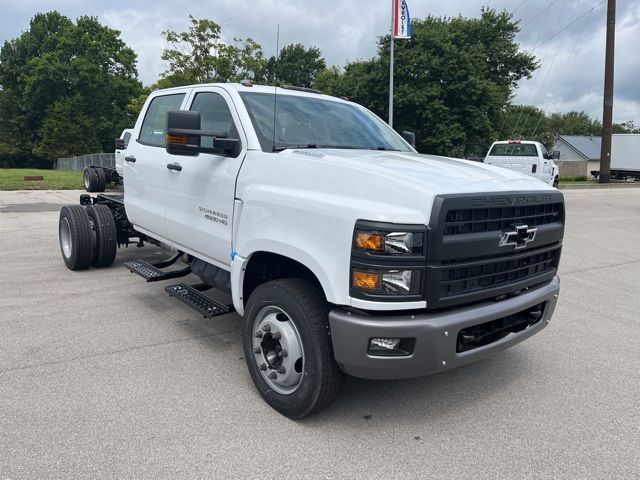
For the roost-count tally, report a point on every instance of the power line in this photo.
(515, 128)
(518, 7)
(569, 24)
(566, 63)
(549, 68)
(541, 12)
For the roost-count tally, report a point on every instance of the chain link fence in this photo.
(78, 164)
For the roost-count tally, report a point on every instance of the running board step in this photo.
(189, 295)
(151, 273)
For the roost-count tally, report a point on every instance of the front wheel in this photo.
(287, 346)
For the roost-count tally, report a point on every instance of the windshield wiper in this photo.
(281, 148)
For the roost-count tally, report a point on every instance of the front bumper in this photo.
(435, 333)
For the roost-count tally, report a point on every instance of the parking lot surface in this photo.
(103, 375)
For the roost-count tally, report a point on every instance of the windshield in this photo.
(315, 122)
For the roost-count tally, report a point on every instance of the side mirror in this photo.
(410, 137)
(120, 144)
(183, 136)
(555, 154)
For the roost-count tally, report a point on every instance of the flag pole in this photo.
(393, 20)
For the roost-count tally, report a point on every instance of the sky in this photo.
(567, 36)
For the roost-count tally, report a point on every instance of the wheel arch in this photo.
(262, 266)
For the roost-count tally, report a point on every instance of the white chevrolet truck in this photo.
(530, 158)
(343, 250)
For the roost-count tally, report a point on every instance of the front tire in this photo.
(287, 347)
(76, 238)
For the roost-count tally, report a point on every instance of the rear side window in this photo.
(152, 131)
(514, 150)
(215, 117)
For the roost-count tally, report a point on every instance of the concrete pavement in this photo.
(103, 375)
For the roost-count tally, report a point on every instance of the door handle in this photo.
(174, 166)
(130, 158)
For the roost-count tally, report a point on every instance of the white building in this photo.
(580, 155)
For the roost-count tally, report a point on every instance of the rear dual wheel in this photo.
(87, 236)
(95, 179)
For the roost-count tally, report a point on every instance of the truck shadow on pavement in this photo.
(444, 396)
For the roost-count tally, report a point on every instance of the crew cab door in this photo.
(546, 174)
(200, 190)
(144, 165)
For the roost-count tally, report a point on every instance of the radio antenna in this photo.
(275, 86)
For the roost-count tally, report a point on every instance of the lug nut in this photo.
(263, 366)
(266, 328)
(273, 375)
(257, 350)
(277, 336)
(282, 370)
(258, 334)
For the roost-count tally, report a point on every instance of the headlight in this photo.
(386, 282)
(388, 261)
(389, 243)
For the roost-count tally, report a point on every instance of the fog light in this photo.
(391, 347)
(389, 343)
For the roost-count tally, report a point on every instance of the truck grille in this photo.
(468, 277)
(466, 261)
(470, 220)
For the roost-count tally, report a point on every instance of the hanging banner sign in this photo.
(401, 20)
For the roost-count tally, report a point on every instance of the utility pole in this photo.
(607, 106)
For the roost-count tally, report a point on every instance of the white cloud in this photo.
(570, 78)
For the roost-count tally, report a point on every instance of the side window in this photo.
(545, 154)
(215, 116)
(126, 138)
(152, 131)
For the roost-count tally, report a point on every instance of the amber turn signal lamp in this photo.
(177, 139)
(369, 241)
(366, 280)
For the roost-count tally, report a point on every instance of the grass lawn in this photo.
(576, 182)
(13, 179)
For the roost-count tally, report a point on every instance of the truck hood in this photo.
(431, 173)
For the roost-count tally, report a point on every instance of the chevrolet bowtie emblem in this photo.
(518, 237)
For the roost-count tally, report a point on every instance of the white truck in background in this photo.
(530, 158)
(342, 248)
(97, 177)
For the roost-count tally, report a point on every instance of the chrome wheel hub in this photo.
(278, 350)
(65, 238)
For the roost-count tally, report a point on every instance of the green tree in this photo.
(525, 122)
(68, 130)
(625, 127)
(574, 123)
(295, 66)
(452, 79)
(57, 63)
(200, 55)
